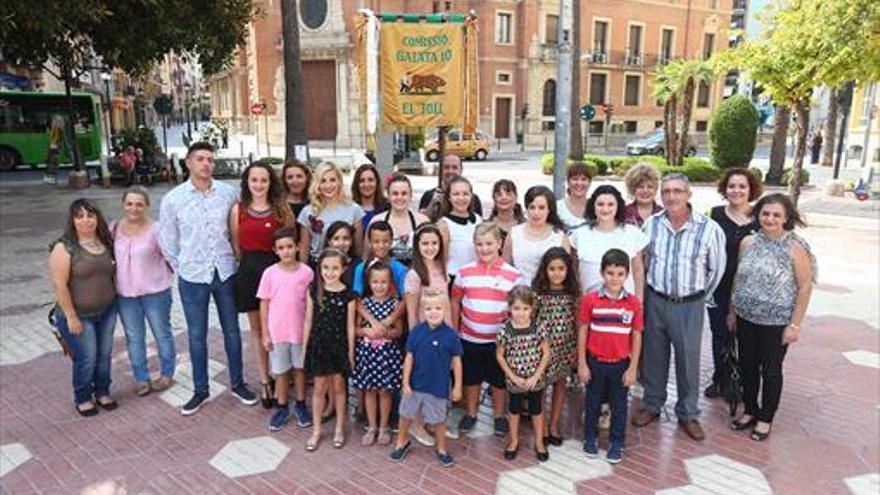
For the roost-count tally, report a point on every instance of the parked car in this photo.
(653, 144)
(468, 146)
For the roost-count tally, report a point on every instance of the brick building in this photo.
(622, 42)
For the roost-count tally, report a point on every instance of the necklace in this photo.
(89, 244)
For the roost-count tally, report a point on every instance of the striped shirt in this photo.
(610, 323)
(483, 291)
(684, 262)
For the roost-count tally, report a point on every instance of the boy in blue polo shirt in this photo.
(431, 348)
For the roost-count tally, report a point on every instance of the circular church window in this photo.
(313, 13)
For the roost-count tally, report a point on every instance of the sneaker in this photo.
(161, 383)
(591, 449)
(445, 459)
(279, 419)
(467, 423)
(501, 426)
(422, 436)
(244, 395)
(303, 416)
(194, 404)
(614, 455)
(399, 453)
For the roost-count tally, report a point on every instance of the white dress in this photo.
(527, 253)
(591, 245)
(570, 220)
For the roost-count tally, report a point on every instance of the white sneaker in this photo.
(422, 436)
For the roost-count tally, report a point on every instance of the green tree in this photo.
(733, 132)
(69, 40)
(809, 43)
(675, 85)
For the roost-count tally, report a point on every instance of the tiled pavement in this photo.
(825, 439)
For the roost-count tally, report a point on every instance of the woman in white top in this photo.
(572, 208)
(605, 231)
(402, 219)
(457, 224)
(543, 230)
(328, 203)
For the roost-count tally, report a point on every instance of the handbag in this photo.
(53, 323)
(730, 376)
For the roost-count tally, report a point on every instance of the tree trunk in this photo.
(830, 131)
(802, 116)
(777, 148)
(686, 109)
(667, 129)
(576, 137)
(69, 127)
(294, 101)
(672, 133)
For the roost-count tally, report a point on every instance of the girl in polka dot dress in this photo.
(377, 359)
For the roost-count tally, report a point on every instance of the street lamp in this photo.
(187, 87)
(106, 77)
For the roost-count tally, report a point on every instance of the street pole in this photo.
(165, 133)
(869, 118)
(841, 137)
(189, 135)
(563, 99)
(109, 117)
(266, 126)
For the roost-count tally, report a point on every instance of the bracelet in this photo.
(795, 326)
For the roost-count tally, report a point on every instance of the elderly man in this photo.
(684, 262)
(450, 167)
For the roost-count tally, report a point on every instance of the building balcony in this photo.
(548, 52)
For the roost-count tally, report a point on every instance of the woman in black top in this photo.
(739, 188)
(296, 177)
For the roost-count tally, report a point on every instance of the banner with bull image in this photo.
(423, 72)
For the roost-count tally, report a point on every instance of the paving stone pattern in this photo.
(824, 440)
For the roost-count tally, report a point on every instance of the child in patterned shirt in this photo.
(523, 353)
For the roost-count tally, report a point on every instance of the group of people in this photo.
(137, 166)
(414, 308)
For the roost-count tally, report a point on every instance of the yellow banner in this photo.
(422, 74)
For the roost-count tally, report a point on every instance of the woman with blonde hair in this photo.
(328, 203)
(642, 181)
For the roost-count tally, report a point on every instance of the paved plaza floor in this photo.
(824, 441)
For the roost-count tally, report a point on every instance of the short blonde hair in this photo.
(315, 197)
(433, 295)
(639, 173)
(487, 228)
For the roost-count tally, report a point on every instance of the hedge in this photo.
(547, 165)
(786, 177)
(733, 132)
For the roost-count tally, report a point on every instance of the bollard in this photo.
(105, 171)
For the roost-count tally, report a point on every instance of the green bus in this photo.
(25, 120)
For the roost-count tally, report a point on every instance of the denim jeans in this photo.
(606, 380)
(195, 298)
(156, 308)
(92, 351)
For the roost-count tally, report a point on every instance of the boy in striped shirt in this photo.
(609, 345)
(479, 310)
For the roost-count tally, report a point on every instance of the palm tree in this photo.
(666, 90)
(294, 100)
(690, 74)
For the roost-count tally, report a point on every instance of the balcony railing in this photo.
(548, 52)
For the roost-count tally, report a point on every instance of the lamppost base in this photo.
(78, 179)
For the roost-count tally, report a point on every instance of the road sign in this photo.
(258, 108)
(163, 104)
(588, 112)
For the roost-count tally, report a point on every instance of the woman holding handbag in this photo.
(82, 269)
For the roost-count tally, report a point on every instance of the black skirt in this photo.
(247, 280)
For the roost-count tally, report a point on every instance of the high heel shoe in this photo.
(267, 397)
(761, 436)
(740, 425)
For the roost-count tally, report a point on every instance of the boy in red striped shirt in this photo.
(479, 310)
(609, 346)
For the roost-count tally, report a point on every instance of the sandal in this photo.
(267, 398)
(143, 389)
(313, 443)
(338, 439)
(739, 425)
(761, 436)
(369, 437)
(87, 412)
(108, 404)
(384, 437)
